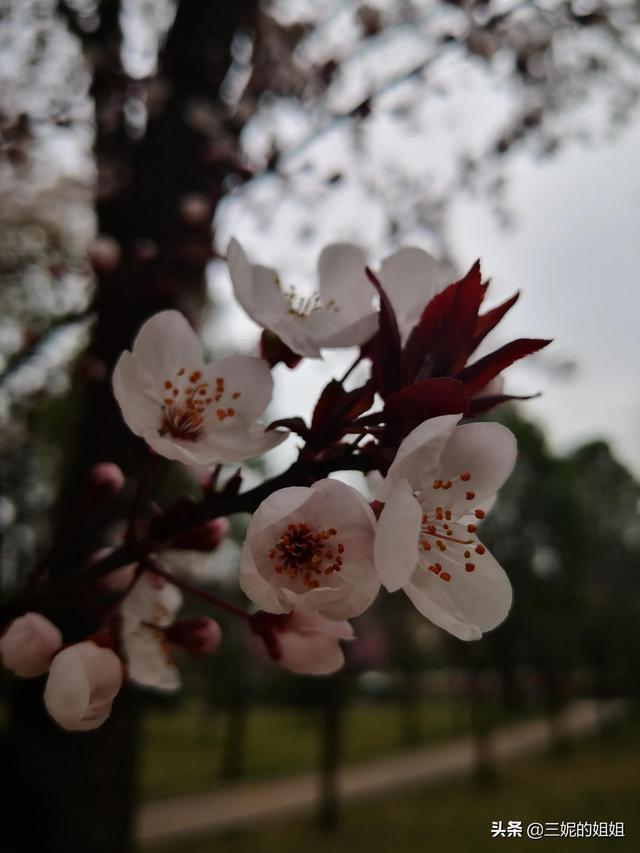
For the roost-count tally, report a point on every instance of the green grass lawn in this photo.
(599, 780)
(182, 748)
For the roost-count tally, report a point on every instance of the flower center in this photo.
(186, 401)
(304, 306)
(436, 534)
(307, 554)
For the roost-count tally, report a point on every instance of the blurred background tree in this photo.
(133, 135)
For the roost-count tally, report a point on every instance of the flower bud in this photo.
(206, 537)
(29, 644)
(83, 682)
(199, 636)
(117, 580)
(105, 480)
(195, 209)
(104, 254)
(273, 351)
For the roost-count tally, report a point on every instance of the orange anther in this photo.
(195, 376)
(168, 384)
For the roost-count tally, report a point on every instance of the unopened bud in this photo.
(199, 636)
(273, 351)
(195, 209)
(105, 480)
(117, 580)
(206, 537)
(29, 644)
(104, 254)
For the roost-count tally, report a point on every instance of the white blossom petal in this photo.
(134, 390)
(419, 454)
(309, 644)
(485, 450)
(165, 343)
(397, 535)
(470, 603)
(411, 278)
(151, 602)
(256, 287)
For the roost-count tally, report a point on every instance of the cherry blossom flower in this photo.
(436, 490)
(311, 549)
(29, 644)
(148, 609)
(339, 314)
(306, 643)
(82, 684)
(188, 411)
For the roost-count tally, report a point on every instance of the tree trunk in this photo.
(67, 792)
(328, 814)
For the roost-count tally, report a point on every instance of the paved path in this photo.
(247, 804)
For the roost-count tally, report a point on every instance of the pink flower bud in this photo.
(29, 644)
(274, 351)
(83, 682)
(104, 254)
(199, 636)
(105, 480)
(195, 209)
(118, 579)
(206, 537)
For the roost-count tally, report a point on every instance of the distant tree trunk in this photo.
(555, 701)
(333, 703)
(73, 793)
(409, 707)
(233, 764)
(481, 719)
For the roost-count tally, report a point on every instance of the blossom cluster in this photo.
(316, 551)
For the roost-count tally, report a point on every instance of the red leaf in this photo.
(480, 405)
(487, 322)
(296, 425)
(337, 409)
(386, 349)
(444, 333)
(478, 374)
(425, 399)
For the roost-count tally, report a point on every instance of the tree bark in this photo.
(74, 792)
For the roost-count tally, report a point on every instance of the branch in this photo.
(20, 358)
(43, 600)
